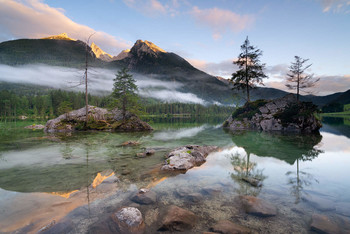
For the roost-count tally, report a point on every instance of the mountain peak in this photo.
(100, 53)
(147, 47)
(62, 36)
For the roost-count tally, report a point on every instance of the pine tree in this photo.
(297, 79)
(124, 91)
(250, 68)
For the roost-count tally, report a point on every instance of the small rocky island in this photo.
(98, 119)
(283, 114)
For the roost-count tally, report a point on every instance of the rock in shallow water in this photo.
(322, 224)
(258, 207)
(129, 220)
(145, 197)
(178, 219)
(227, 227)
(320, 203)
(186, 157)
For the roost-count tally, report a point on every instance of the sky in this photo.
(207, 33)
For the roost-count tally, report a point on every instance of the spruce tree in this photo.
(124, 91)
(250, 68)
(297, 79)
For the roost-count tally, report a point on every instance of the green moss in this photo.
(188, 151)
(248, 110)
(168, 161)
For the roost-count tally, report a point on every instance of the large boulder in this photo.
(186, 157)
(178, 219)
(98, 119)
(282, 114)
(129, 220)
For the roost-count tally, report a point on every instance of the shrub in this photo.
(249, 109)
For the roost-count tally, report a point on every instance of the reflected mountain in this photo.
(286, 147)
(336, 125)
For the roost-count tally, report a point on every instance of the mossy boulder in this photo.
(282, 114)
(99, 119)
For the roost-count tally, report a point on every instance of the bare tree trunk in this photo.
(246, 73)
(298, 84)
(86, 79)
(124, 108)
(86, 86)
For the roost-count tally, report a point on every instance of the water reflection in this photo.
(336, 125)
(286, 147)
(298, 181)
(290, 148)
(247, 175)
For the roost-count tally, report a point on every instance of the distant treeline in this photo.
(54, 102)
(187, 109)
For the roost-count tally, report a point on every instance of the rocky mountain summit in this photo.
(99, 119)
(101, 54)
(282, 114)
(62, 36)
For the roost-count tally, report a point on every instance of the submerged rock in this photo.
(98, 119)
(145, 197)
(343, 208)
(227, 227)
(282, 114)
(129, 220)
(321, 204)
(178, 219)
(130, 143)
(252, 181)
(147, 152)
(322, 224)
(258, 207)
(186, 157)
(35, 126)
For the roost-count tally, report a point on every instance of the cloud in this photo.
(173, 96)
(221, 21)
(100, 81)
(171, 135)
(35, 19)
(335, 5)
(224, 68)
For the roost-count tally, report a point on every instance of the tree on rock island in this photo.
(124, 91)
(297, 79)
(250, 68)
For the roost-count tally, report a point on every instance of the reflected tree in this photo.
(247, 175)
(67, 151)
(300, 179)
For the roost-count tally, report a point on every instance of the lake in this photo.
(74, 182)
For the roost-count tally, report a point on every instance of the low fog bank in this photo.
(100, 81)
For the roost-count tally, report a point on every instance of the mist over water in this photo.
(100, 81)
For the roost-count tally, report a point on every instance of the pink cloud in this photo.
(35, 19)
(221, 21)
(224, 68)
(335, 5)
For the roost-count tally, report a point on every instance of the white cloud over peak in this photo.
(35, 19)
(221, 21)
